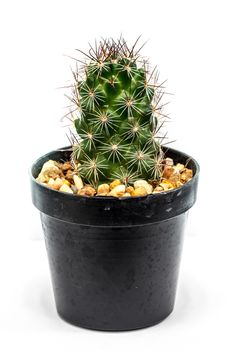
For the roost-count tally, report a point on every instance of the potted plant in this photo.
(114, 205)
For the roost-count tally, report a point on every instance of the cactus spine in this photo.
(117, 106)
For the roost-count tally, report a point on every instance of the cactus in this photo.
(117, 112)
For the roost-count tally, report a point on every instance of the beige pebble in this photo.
(179, 167)
(66, 182)
(186, 175)
(166, 185)
(139, 191)
(58, 182)
(65, 166)
(117, 191)
(145, 184)
(103, 190)
(49, 169)
(158, 189)
(74, 189)
(174, 178)
(114, 183)
(169, 161)
(169, 171)
(69, 175)
(129, 189)
(87, 190)
(126, 194)
(78, 182)
(65, 188)
(51, 182)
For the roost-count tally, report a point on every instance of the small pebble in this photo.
(51, 182)
(174, 178)
(186, 175)
(126, 194)
(49, 169)
(139, 191)
(103, 190)
(87, 190)
(117, 191)
(74, 189)
(69, 175)
(129, 189)
(66, 166)
(78, 182)
(65, 188)
(145, 184)
(66, 182)
(166, 185)
(158, 189)
(169, 161)
(114, 183)
(57, 184)
(179, 167)
(169, 171)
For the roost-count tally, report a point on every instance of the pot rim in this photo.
(102, 198)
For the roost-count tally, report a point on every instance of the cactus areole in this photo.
(117, 115)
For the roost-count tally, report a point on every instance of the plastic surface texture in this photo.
(114, 261)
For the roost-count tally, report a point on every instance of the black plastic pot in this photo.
(114, 261)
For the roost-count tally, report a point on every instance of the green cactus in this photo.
(117, 106)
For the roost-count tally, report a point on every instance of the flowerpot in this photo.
(114, 261)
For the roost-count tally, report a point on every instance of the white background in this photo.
(191, 42)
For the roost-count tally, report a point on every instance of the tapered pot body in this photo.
(114, 261)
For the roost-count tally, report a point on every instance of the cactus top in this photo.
(118, 105)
